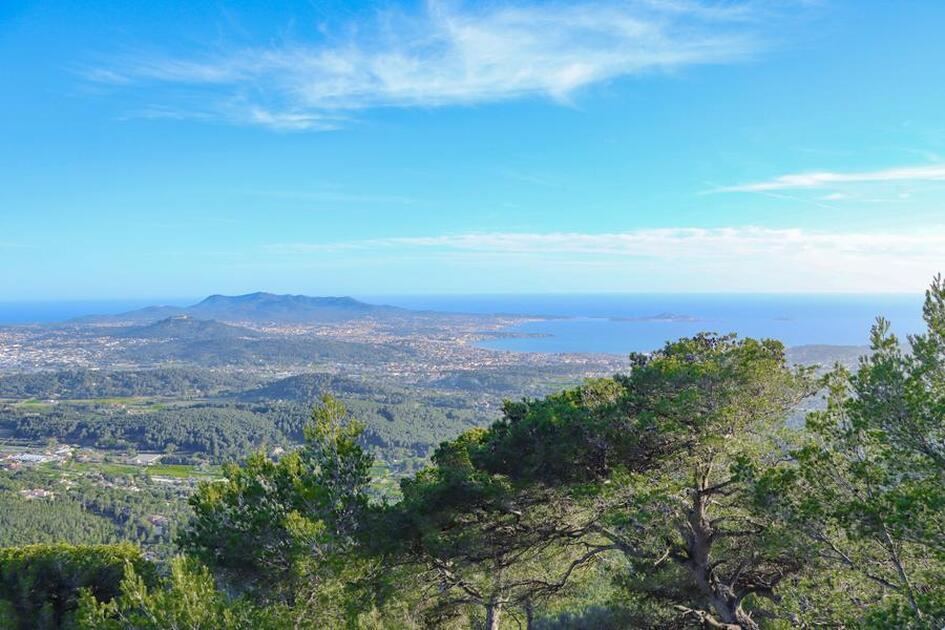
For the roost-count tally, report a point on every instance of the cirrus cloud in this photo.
(823, 179)
(445, 54)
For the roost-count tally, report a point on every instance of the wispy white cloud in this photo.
(825, 179)
(286, 120)
(752, 258)
(446, 54)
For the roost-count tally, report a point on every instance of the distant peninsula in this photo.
(660, 317)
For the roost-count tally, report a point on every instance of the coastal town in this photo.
(429, 348)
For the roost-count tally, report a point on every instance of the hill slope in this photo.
(186, 327)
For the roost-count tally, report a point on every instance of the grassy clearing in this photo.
(35, 405)
(183, 471)
(134, 403)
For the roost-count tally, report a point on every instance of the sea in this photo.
(608, 323)
(621, 323)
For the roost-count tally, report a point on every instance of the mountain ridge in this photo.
(257, 307)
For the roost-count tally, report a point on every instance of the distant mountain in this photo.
(269, 307)
(261, 308)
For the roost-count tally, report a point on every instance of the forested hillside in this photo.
(91, 384)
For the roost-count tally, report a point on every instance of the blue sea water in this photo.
(619, 324)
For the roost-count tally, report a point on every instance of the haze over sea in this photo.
(612, 323)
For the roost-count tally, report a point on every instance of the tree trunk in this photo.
(493, 614)
(496, 598)
(725, 605)
(529, 615)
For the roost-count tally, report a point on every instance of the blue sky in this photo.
(168, 149)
